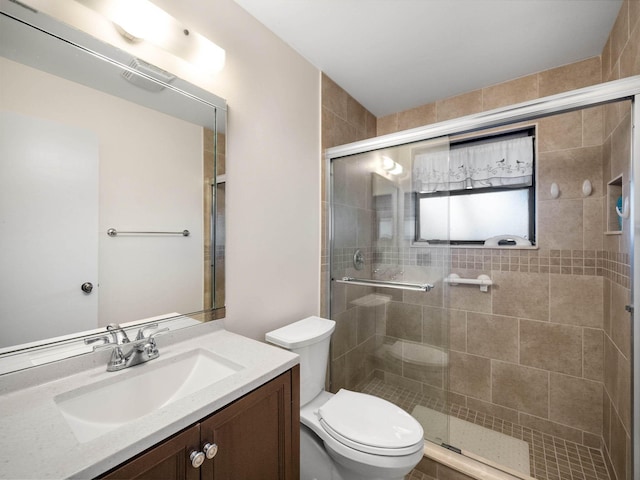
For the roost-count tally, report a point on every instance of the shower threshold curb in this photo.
(480, 469)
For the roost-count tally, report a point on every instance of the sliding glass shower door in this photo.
(387, 295)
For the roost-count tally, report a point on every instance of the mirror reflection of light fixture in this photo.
(387, 163)
(390, 166)
(141, 21)
(396, 170)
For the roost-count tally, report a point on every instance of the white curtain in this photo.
(503, 163)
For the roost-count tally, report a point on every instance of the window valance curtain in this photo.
(503, 163)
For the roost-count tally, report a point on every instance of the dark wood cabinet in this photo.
(167, 460)
(257, 437)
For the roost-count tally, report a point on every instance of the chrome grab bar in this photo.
(418, 287)
(112, 232)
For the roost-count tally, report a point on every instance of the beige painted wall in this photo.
(273, 173)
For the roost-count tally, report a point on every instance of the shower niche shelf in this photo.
(615, 203)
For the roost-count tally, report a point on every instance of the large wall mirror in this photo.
(111, 208)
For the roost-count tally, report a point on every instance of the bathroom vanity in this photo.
(253, 439)
(215, 394)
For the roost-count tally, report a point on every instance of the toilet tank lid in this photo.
(301, 333)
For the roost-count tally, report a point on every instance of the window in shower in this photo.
(483, 188)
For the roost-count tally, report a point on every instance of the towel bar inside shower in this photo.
(419, 287)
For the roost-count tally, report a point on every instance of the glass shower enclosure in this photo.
(542, 347)
(404, 217)
(391, 337)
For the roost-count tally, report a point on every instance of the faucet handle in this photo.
(102, 338)
(153, 336)
(150, 326)
(149, 344)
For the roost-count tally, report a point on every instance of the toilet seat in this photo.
(370, 424)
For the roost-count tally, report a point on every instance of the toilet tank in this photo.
(309, 338)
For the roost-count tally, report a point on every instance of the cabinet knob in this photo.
(210, 450)
(197, 458)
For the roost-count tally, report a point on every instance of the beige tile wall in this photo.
(570, 77)
(511, 349)
(548, 346)
(344, 120)
(620, 58)
(616, 321)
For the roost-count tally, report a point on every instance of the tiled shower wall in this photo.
(549, 299)
(620, 58)
(344, 120)
(616, 323)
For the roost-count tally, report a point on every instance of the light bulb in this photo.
(207, 55)
(138, 19)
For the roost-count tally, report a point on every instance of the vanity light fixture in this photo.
(137, 20)
(140, 21)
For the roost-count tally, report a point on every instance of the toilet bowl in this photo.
(347, 435)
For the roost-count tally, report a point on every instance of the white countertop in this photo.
(37, 442)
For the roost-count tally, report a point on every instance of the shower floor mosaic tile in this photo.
(551, 458)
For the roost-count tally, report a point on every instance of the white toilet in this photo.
(349, 435)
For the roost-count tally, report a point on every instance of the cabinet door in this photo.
(168, 460)
(254, 435)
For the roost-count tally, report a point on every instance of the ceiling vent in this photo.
(150, 70)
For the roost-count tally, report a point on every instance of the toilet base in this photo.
(352, 470)
(315, 464)
(320, 462)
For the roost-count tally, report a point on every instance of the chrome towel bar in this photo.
(418, 287)
(112, 232)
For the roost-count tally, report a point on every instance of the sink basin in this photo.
(98, 408)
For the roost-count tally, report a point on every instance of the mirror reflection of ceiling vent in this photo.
(150, 70)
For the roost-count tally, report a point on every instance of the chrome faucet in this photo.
(125, 353)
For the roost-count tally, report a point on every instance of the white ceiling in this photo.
(392, 55)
